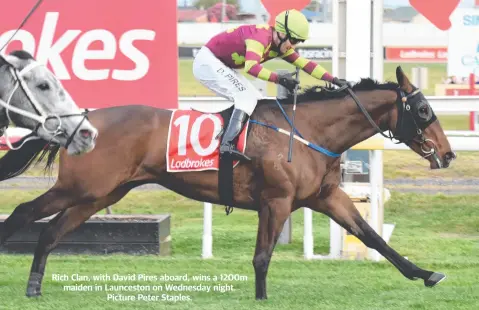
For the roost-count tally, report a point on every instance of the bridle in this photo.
(41, 117)
(406, 103)
(427, 119)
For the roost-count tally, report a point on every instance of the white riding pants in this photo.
(224, 81)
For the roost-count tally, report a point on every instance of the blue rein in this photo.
(309, 144)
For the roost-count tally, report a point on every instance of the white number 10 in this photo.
(183, 122)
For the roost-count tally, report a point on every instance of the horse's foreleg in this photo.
(341, 209)
(272, 216)
(62, 224)
(49, 203)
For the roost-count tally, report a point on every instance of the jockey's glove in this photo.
(341, 83)
(288, 81)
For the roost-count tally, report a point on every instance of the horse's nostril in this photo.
(85, 133)
(449, 156)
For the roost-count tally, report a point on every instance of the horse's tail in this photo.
(16, 162)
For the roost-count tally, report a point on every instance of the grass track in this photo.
(437, 232)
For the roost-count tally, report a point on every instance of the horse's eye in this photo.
(43, 86)
(423, 110)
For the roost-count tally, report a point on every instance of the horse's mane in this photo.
(323, 93)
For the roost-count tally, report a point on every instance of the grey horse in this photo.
(32, 97)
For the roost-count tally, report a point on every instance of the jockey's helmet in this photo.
(293, 24)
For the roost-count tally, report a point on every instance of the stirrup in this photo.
(234, 153)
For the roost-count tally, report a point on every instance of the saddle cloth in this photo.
(193, 141)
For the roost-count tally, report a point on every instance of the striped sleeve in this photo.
(254, 52)
(307, 65)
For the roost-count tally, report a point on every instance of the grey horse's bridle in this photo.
(41, 117)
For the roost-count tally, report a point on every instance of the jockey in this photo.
(246, 47)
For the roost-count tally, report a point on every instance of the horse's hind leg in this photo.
(49, 203)
(63, 223)
(341, 209)
(272, 216)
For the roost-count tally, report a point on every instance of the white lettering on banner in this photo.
(442, 55)
(82, 53)
(129, 50)
(418, 54)
(189, 164)
(27, 39)
(323, 53)
(49, 51)
(183, 123)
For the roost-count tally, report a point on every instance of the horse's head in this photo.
(33, 98)
(417, 126)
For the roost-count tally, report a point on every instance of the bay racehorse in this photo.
(32, 97)
(132, 150)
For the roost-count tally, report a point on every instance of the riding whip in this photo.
(290, 152)
(33, 9)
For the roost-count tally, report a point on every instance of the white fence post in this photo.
(207, 251)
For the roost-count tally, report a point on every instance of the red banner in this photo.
(433, 54)
(105, 52)
(437, 14)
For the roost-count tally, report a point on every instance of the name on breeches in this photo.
(233, 80)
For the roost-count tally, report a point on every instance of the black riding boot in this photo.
(235, 125)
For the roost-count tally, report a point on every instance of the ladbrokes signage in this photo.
(105, 52)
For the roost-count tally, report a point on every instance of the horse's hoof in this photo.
(434, 279)
(261, 297)
(34, 292)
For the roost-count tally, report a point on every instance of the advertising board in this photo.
(105, 52)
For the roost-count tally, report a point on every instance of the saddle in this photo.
(225, 172)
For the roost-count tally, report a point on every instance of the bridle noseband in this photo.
(406, 103)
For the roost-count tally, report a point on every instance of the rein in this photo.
(402, 97)
(298, 137)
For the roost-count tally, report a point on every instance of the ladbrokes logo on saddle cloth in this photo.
(105, 52)
(192, 143)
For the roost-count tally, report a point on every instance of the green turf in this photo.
(189, 86)
(436, 232)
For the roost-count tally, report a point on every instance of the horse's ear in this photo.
(3, 61)
(403, 80)
(22, 54)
